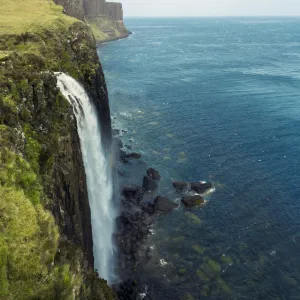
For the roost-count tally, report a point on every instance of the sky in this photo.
(181, 8)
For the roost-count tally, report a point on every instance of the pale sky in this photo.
(158, 8)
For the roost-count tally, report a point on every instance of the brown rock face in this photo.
(101, 8)
(92, 8)
(115, 11)
(73, 8)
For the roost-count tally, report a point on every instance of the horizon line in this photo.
(217, 16)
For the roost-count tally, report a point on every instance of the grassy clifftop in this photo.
(107, 30)
(20, 16)
(44, 215)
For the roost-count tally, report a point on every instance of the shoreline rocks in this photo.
(150, 182)
(154, 174)
(200, 187)
(140, 206)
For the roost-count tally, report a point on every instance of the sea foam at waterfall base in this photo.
(98, 174)
(216, 99)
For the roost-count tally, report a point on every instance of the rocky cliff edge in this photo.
(45, 227)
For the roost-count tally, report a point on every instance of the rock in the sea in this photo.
(123, 157)
(181, 185)
(190, 201)
(154, 174)
(133, 193)
(201, 187)
(133, 155)
(149, 184)
(163, 204)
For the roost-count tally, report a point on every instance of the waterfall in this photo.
(98, 173)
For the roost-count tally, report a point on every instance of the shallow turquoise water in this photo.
(219, 100)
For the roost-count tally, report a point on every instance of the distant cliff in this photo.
(101, 8)
(105, 18)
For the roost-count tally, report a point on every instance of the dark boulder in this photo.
(133, 155)
(181, 185)
(201, 187)
(149, 208)
(154, 174)
(190, 201)
(123, 157)
(163, 204)
(133, 193)
(149, 184)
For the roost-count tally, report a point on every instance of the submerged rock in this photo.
(190, 201)
(200, 187)
(163, 204)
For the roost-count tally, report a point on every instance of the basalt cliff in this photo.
(46, 247)
(105, 18)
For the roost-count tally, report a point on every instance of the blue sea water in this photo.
(217, 99)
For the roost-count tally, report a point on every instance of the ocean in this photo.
(216, 99)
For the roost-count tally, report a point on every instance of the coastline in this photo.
(114, 39)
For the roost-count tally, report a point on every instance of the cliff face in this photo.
(41, 168)
(105, 18)
(73, 8)
(101, 8)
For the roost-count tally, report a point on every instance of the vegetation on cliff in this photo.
(41, 171)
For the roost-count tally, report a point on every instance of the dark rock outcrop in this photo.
(149, 184)
(201, 187)
(73, 8)
(190, 201)
(133, 194)
(154, 174)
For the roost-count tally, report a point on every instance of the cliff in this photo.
(45, 227)
(105, 18)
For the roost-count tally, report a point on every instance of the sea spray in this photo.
(98, 174)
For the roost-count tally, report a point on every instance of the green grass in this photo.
(28, 244)
(20, 16)
(103, 29)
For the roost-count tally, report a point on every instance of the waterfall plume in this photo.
(98, 173)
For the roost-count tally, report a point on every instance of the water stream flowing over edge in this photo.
(98, 174)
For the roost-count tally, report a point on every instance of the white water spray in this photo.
(98, 173)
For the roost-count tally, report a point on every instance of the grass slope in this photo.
(20, 16)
